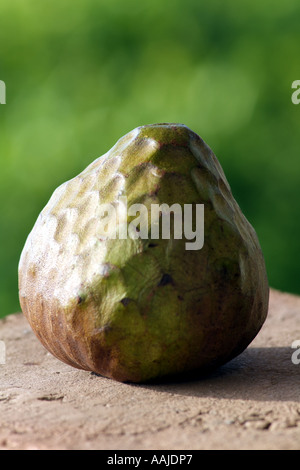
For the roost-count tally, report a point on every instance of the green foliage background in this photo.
(80, 74)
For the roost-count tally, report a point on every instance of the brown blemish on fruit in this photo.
(165, 280)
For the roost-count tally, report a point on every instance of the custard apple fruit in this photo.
(131, 306)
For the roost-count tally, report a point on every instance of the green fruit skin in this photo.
(137, 310)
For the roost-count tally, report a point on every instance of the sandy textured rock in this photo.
(251, 403)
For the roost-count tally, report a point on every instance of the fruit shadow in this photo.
(263, 374)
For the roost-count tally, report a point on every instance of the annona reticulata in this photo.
(136, 309)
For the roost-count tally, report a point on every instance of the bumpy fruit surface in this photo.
(140, 309)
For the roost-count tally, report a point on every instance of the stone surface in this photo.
(251, 403)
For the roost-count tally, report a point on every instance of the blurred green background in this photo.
(80, 74)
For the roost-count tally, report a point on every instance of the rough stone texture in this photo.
(251, 403)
